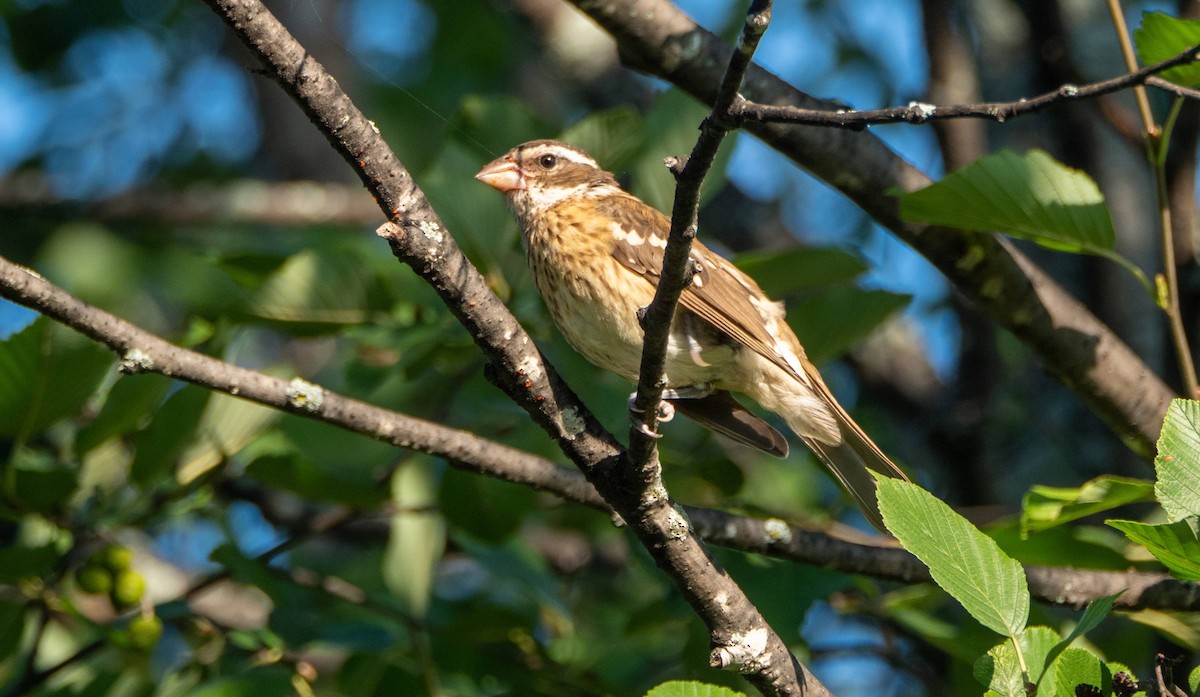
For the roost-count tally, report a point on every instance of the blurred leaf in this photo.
(46, 374)
(294, 472)
(612, 136)
(1045, 507)
(1176, 545)
(316, 292)
(373, 675)
(174, 426)
(1162, 36)
(829, 323)
(131, 400)
(40, 485)
(499, 121)
(12, 624)
(1082, 546)
(1033, 197)
(681, 688)
(227, 425)
(1000, 670)
(19, 562)
(799, 269)
(489, 509)
(672, 127)
(968, 564)
(246, 570)
(1178, 461)
(418, 536)
(1080, 667)
(262, 682)
(1183, 628)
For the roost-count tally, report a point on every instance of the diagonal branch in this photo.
(676, 273)
(919, 113)
(740, 636)
(1074, 344)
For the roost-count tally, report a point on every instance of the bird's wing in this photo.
(720, 294)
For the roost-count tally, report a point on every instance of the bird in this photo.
(595, 252)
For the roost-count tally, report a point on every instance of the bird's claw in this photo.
(664, 413)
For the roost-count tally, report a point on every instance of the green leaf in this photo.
(1000, 669)
(1045, 507)
(271, 681)
(803, 268)
(1194, 680)
(46, 374)
(1033, 197)
(316, 292)
(1093, 615)
(613, 136)
(1080, 667)
(1178, 461)
(174, 426)
(1182, 628)
(418, 536)
(489, 509)
(227, 425)
(1176, 545)
(130, 401)
(966, 563)
(681, 688)
(1162, 36)
(829, 323)
(672, 127)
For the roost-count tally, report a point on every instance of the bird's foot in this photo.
(689, 392)
(664, 413)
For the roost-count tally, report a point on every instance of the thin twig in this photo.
(918, 112)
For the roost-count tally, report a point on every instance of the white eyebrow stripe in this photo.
(567, 154)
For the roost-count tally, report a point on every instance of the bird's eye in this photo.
(548, 161)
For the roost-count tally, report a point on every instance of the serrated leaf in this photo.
(46, 375)
(1000, 670)
(1080, 667)
(1033, 197)
(1045, 507)
(418, 536)
(1178, 461)
(682, 688)
(969, 565)
(1093, 615)
(804, 268)
(829, 323)
(1162, 36)
(1176, 545)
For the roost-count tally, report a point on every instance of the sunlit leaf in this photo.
(1080, 667)
(1178, 461)
(1000, 670)
(1176, 545)
(418, 536)
(1045, 507)
(1093, 615)
(1162, 36)
(804, 268)
(680, 688)
(962, 560)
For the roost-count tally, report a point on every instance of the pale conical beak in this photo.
(503, 175)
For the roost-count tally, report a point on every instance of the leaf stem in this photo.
(1157, 140)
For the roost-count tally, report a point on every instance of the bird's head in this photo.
(536, 175)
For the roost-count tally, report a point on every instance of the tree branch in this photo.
(676, 273)
(740, 637)
(1073, 344)
(142, 351)
(918, 112)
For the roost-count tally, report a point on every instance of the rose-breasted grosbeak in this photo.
(596, 254)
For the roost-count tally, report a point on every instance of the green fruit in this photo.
(127, 590)
(94, 579)
(115, 558)
(145, 631)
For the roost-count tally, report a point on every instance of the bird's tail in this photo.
(851, 463)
